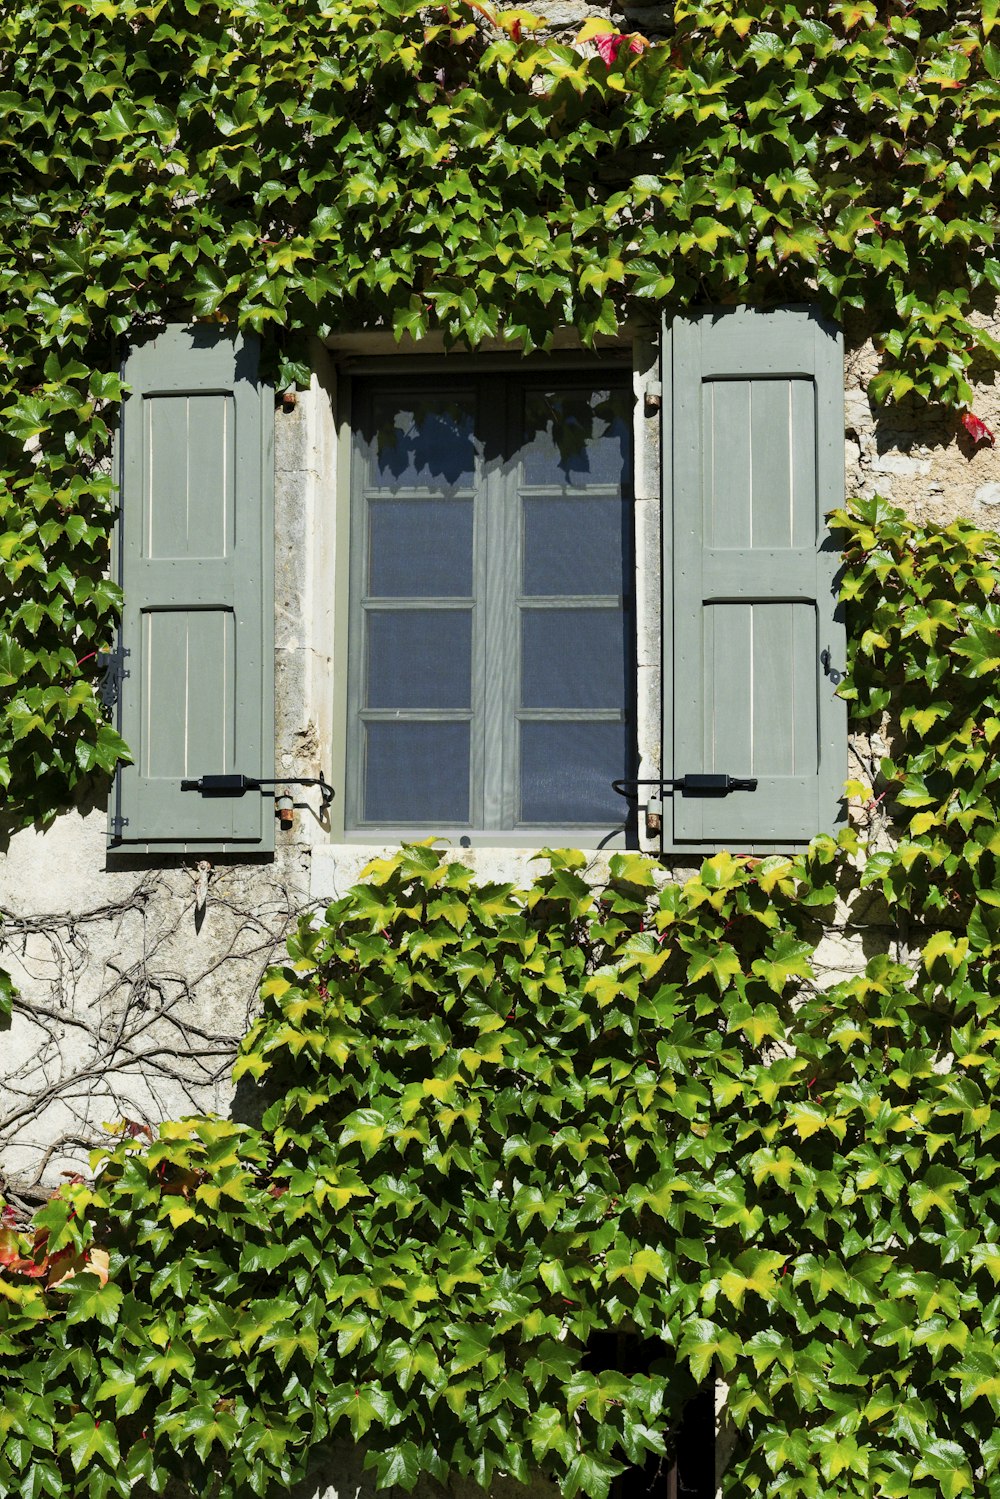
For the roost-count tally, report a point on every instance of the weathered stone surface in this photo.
(902, 464)
(897, 449)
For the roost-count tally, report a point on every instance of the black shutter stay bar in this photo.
(235, 785)
(692, 784)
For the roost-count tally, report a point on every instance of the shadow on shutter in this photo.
(753, 460)
(196, 561)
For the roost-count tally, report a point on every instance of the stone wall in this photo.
(920, 457)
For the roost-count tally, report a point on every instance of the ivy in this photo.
(7, 993)
(498, 1123)
(326, 164)
(925, 655)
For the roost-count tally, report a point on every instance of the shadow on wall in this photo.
(918, 455)
(341, 1475)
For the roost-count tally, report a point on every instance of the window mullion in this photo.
(510, 729)
(358, 570)
(495, 604)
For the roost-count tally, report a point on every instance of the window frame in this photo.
(574, 368)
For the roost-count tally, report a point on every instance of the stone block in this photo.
(901, 464)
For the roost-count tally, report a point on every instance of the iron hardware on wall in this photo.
(236, 785)
(113, 673)
(690, 785)
(831, 671)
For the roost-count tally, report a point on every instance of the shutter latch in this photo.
(825, 660)
(712, 785)
(113, 673)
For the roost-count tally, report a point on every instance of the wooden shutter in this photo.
(195, 549)
(753, 459)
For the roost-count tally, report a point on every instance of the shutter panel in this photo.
(753, 459)
(195, 550)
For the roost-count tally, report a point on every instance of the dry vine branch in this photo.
(122, 1014)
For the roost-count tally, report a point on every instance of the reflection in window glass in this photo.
(574, 544)
(567, 770)
(572, 658)
(576, 438)
(419, 658)
(426, 445)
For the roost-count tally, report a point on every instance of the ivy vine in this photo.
(501, 1121)
(296, 168)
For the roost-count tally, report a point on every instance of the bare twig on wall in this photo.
(127, 1012)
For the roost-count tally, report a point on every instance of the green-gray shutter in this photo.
(195, 550)
(753, 459)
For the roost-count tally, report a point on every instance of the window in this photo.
(475, 613)
(491, 676)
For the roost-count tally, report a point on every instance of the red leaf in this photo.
(977, 430)
(611, 44)
(13, 1262)
(515, 29)
(10, 1247)
(29, 1269)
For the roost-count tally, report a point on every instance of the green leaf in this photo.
(400, 1465)
(89, 1300)
(592, 1475)
(86, 1439)
(704, 1344)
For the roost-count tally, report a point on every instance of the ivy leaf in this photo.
(86, 1439)
(400, 1465)
(946, 1463)
(977, 429)
(936, 1192)
(590, 1474)
(704, 1343)
(362, 1405)
(753, 1271)
(89, 1300)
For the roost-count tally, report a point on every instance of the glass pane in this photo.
(424, 443)
(567, 770)
(419, 658)
(420, 548)
(576, 438)
(417, 772)
(574, 545)
(572, 658)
